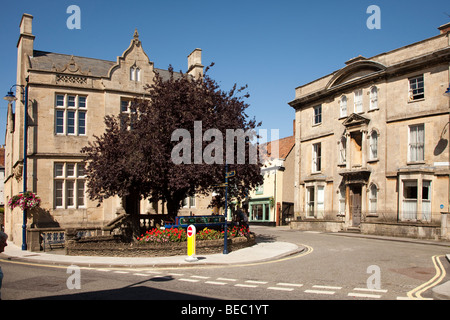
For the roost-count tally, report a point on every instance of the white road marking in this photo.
(121, 272)
(200, 277)
(188, 280)
(280, 289)
(226, 279)
(320, 292)
(370, 290)
(256, 282)
(327, 287)
(141, 274)
(289, 284)
(216, 283)
(364, 295)
(245, 285)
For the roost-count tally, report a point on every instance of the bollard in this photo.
(191, 232)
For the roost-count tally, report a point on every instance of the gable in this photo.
(355, 120)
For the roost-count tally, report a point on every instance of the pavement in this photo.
(259, 253)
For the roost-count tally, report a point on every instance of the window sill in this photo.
(372, 110)
(316, 124)
(411, 163)
(373, 160)
(416, 100)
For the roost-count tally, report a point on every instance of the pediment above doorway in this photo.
(355, 120)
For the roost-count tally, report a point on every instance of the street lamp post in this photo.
(444, 215)
(10, 97)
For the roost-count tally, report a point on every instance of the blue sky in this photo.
(272, 46)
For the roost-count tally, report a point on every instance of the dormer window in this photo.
(135, 74)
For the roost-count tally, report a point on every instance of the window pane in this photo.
(138, 74)
(58, 193)
(266, 212)
(71, 122)
(310, 201)
(317, 114)
(320, 201)
(81, 122)
(70, 167)
(318, 155)
(71, 101)
(80, 193)
(59, 121)
(358, 101)
(81, 102)
(80, 170)
(191, 202)
(70, 193)
(343, 106)
(123, 106)
(374, 145)
(59, 170)
(60, 100)
(410, 189)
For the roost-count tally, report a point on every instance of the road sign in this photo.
(231, 174)
(190, 230)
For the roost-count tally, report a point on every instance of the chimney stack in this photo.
(444, 28)
(195, 67)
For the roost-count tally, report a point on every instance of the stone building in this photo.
(371, 145)
(68, 98)
(272, 203)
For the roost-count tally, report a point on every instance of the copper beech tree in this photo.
(138, 156)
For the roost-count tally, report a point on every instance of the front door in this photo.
(355, 205)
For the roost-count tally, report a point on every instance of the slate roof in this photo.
(46, 61)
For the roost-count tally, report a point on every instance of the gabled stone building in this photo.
(68, 98)
(371, 144)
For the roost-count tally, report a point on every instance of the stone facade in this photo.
(68, 98)
(372, 143)
(272, 203)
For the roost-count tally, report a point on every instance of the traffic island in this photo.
(112, 246)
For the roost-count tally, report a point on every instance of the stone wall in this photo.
(111, 246)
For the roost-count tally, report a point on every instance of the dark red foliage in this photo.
(133, 156)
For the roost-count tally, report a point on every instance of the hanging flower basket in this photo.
(25, 201)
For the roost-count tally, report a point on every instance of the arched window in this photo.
(343, 106)
(342, 150)
(132, 74)
(135, 73)
(373, 148)
(373, 98)
(138, 74)
(373, 193)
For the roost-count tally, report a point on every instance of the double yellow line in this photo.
(416, 294)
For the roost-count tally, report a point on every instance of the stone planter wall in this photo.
(111, 246)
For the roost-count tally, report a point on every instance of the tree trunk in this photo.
(132, 207)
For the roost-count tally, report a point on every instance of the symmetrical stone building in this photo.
(371, 144)
(68, 98)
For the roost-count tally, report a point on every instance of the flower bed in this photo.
(179, 235)
(112, 246)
